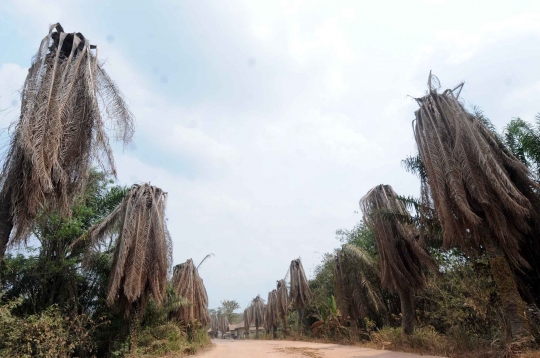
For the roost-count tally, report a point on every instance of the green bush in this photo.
(46, 334)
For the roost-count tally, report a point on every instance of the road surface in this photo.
(226, 348)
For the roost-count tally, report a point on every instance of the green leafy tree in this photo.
(228, 307)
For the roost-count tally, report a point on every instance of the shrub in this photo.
(46, 334)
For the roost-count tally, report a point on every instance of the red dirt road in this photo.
(227, 348)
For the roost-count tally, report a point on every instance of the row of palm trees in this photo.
(276, 309)
(483, 198)
(476, 195)
(60, 135)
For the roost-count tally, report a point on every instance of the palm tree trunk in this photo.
(514, 307)
(6, 223)
(285, 326)
(300, 319)
(256, 331)
(274, 331)
(406, 299)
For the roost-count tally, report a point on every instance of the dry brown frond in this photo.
(401, 256)
(188, 284)
(356, 283)
(271, 311)
(282, 299)
(61, 132)
(478, 187)
(214, 323)
(247, 318)
(300, 293)
(142, 256)
(257, 308)
(223, 324)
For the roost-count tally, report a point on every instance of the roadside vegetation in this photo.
(93, 278)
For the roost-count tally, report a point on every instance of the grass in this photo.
(426, 340)
(170, 340)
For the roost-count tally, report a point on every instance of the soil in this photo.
(226, 348)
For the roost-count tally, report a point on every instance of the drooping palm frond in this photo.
(61, 132)
(247, 318)
(478, 187)
(257, 308)
(142, 255)
(214, 323)
(223, 324)
(187, 283)
(300, 293)
(357, 284)
(271, 311)
(282, 299)
(401, 255)
(203, 260)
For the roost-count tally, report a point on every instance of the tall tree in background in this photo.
(300, 293)
(357, 284)
(402, 257)
(229, 306)
(282, 304)
(60, 134)
(188, 284)
(257, 308)
(271, 313)
(484, 196)
(143, 252)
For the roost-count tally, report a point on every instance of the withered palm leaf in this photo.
(142, 256)
(300, 293)
(188, 284)
(257, 308)
(283, 304)
(271, 313)
(214, 324)
(484, 196)
(247, 319)
(402, 257)
(223, 324)
(61, 132)
(357, 284)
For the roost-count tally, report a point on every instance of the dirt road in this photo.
(289, 349)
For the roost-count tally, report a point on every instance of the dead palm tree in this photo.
(283, 304)
(300, 293)
(357, 284)
(247, 320)
(223, 324)
(143, 251)
(188, 284)
(271, 313)
(484, 196)
(257, 308)
(61, 133)
(402, 257)
(214, 324)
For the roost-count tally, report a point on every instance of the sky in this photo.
(267, 121)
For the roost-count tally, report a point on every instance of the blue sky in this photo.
(266, 121)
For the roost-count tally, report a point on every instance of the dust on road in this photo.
(294, 349)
